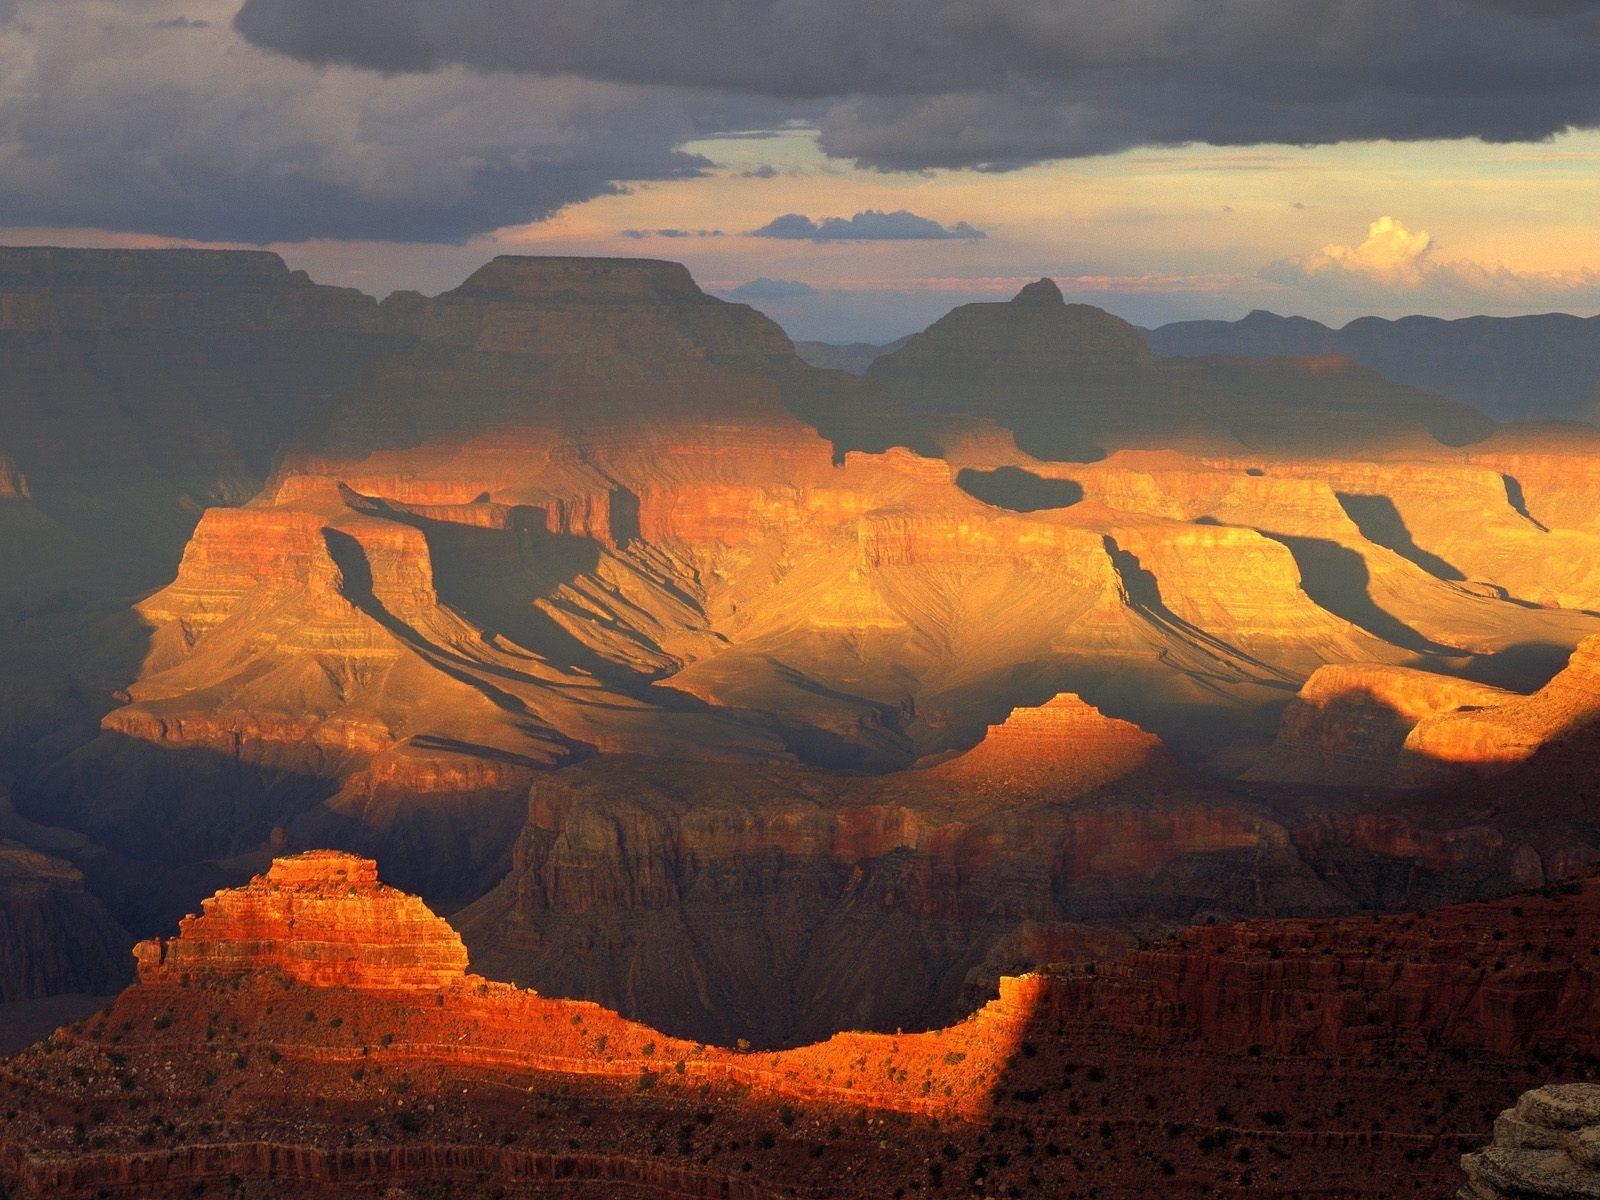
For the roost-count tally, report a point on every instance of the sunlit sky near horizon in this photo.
(416, 170)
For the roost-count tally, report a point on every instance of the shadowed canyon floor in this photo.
(316, 1033)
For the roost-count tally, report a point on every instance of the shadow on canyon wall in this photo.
(1018, 490)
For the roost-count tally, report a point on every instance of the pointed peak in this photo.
(1041, 291)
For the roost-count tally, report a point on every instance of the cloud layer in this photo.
(868, 226)
(439, 120)
(155, 117)
(1000, 83)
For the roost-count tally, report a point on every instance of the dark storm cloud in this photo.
(155, 117)
(869, 226)
(1000, 83)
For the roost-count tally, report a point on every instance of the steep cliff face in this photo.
(143, 384)
(1354, 724)
(54, 936)
(1495, 736)
(1344, 986)
(777, 903)
(1389, 726)
(316, 1034)
(1468, 522)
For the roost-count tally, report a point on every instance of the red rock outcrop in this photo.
(1063, 747)
(1264, 1059)
(321, 918)
(1346, 986)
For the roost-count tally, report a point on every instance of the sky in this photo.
(854, 168)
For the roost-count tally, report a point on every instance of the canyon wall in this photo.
(366, 574)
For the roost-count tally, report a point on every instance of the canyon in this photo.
(749, 699)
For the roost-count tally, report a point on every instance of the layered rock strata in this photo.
(320, 918)
(1546, 1145)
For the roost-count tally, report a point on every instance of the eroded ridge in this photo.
(316, 1033)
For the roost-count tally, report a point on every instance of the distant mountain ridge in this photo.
(1537, 367)
(855, 357)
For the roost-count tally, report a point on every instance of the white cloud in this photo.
(1396, 267)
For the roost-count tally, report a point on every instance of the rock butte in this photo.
(324, 1038)
(320, 918)
(1064, 745)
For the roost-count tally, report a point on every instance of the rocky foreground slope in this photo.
(316, 1034)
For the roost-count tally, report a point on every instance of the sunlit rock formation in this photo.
(375, 574)
(1389, 726)
(316, 1034)
(321, 918)
(1062, 748)
(1354, 724)
(1495, 736)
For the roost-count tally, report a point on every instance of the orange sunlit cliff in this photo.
(317, 1033)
